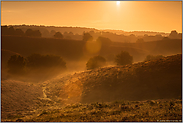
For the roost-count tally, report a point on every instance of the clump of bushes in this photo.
(104, 40)
(123, 58)
(152, 57)
(45, 61)
(19, 64)
(95, 62)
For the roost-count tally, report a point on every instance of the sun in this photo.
(117, 2)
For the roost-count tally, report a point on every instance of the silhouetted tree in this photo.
(4, 30)
(58, 35)
(95, 62)
(71, 33)
(16, 64)
(19, 32)
(103, 40)
(29, 32)
(87, 37)
(52, 33)
(180, 35)
(145, 35)
(45, 61)
(173, 34)
(46, 33)
(66, 33)
(123, 58)
(37, 33)
(11, 31)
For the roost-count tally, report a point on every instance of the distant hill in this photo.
(74, 49)
(80, 30)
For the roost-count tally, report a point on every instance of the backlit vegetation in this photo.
(95, 62)
(123, 58)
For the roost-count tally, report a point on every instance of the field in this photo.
(143, 91)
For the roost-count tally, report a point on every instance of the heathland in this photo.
(35, 88)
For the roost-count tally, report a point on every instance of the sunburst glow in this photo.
(117, 2)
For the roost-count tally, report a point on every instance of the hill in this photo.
(76, 49)
(156, 79)
(149, 91)
(80, 30)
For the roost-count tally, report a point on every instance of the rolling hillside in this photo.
(156, 79)
(92, 93)
(75, 49)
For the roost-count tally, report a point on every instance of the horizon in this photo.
(128, 16)
(93, 28)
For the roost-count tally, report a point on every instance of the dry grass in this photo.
(91, 94)
(17, 97)
(121, 111)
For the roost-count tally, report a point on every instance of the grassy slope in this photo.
(156, 79)
(17, 96)
(152, 80)
(121, 111)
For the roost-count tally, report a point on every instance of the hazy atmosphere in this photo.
(91, 61)
(126, 15)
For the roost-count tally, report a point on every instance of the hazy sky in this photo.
(128, 15)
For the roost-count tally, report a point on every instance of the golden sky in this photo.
(161, 16)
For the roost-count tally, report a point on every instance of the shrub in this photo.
(95, 62)
(17, 64)
(58, 35)
(123, 58)
(152, 57)
(87, 37)
(103, 40)
(45, 61)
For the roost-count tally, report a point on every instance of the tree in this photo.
(4, 30)
(152, 57)
(87, 37)
(19, 32)
(104, 41)
(173, 34)
(123, 58)
(45, 61)
(11, 31)
(95, 62)
(16, 64)
(52, 33)
(29, 32)
(46, 33)
(37, 33)
(58, 35)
